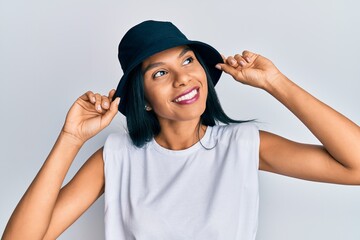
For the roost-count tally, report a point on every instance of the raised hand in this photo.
(250, 68)
(89, 114)
(44, 210)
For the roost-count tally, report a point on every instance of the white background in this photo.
(53, 51)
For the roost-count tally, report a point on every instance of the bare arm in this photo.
(33, 213)
(304, 161)
(337, 161)
(41, 202)
(77, 196)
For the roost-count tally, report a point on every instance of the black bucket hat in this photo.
(151, 37)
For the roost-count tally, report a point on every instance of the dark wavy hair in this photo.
(143, 125)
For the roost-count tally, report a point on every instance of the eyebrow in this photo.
(156, 64)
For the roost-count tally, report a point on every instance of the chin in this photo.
(193, 114)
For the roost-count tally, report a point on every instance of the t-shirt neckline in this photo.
(204, 140)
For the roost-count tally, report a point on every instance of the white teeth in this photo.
(188, 96)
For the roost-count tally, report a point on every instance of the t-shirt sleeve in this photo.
(114, 143)
(250, 134)
(245, 136)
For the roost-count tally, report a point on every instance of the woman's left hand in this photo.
(251, 69)
(337, 161)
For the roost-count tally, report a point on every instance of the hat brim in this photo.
(209, 55)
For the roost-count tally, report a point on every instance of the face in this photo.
(175, 85)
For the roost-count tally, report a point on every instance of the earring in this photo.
(147, 108)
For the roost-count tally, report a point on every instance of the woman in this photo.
(177, 175)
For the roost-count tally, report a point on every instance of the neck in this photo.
(180, 135)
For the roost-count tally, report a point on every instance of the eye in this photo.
(188, 61)
(159, 74)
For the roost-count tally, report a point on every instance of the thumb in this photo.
(110, 114)
(229, 70)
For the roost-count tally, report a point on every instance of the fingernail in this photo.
(248, 59)
(98, 107)
(106, 104)
(118, 101)
(232, 61)
(218, 66)
(93, 99)
(242, 63)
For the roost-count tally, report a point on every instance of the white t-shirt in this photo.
(153, 193)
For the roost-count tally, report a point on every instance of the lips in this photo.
(188, 96)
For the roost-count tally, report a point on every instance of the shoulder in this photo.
(239, 141)
(239, 131)
(117, 142)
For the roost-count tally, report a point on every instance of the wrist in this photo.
(70, 139)
(275, 83)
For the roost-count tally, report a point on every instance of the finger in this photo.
(105, 102)
(232, 62)
(88, 96)
(110, 114)
(249, 56)
(98, 102)
(111, 94)
(229, 70)
(240, 60)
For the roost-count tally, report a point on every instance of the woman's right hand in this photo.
(44, 211)
(90, 114)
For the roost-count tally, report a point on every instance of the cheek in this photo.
(148, 91)
(205, 90)
(156, 96)
(201, 75)
(203, 78)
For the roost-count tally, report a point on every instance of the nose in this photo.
(181, 78)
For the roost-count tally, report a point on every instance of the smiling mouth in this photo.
(188, 96)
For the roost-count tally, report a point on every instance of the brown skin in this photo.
(337, 161)
(174, 72)
(46, 209)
